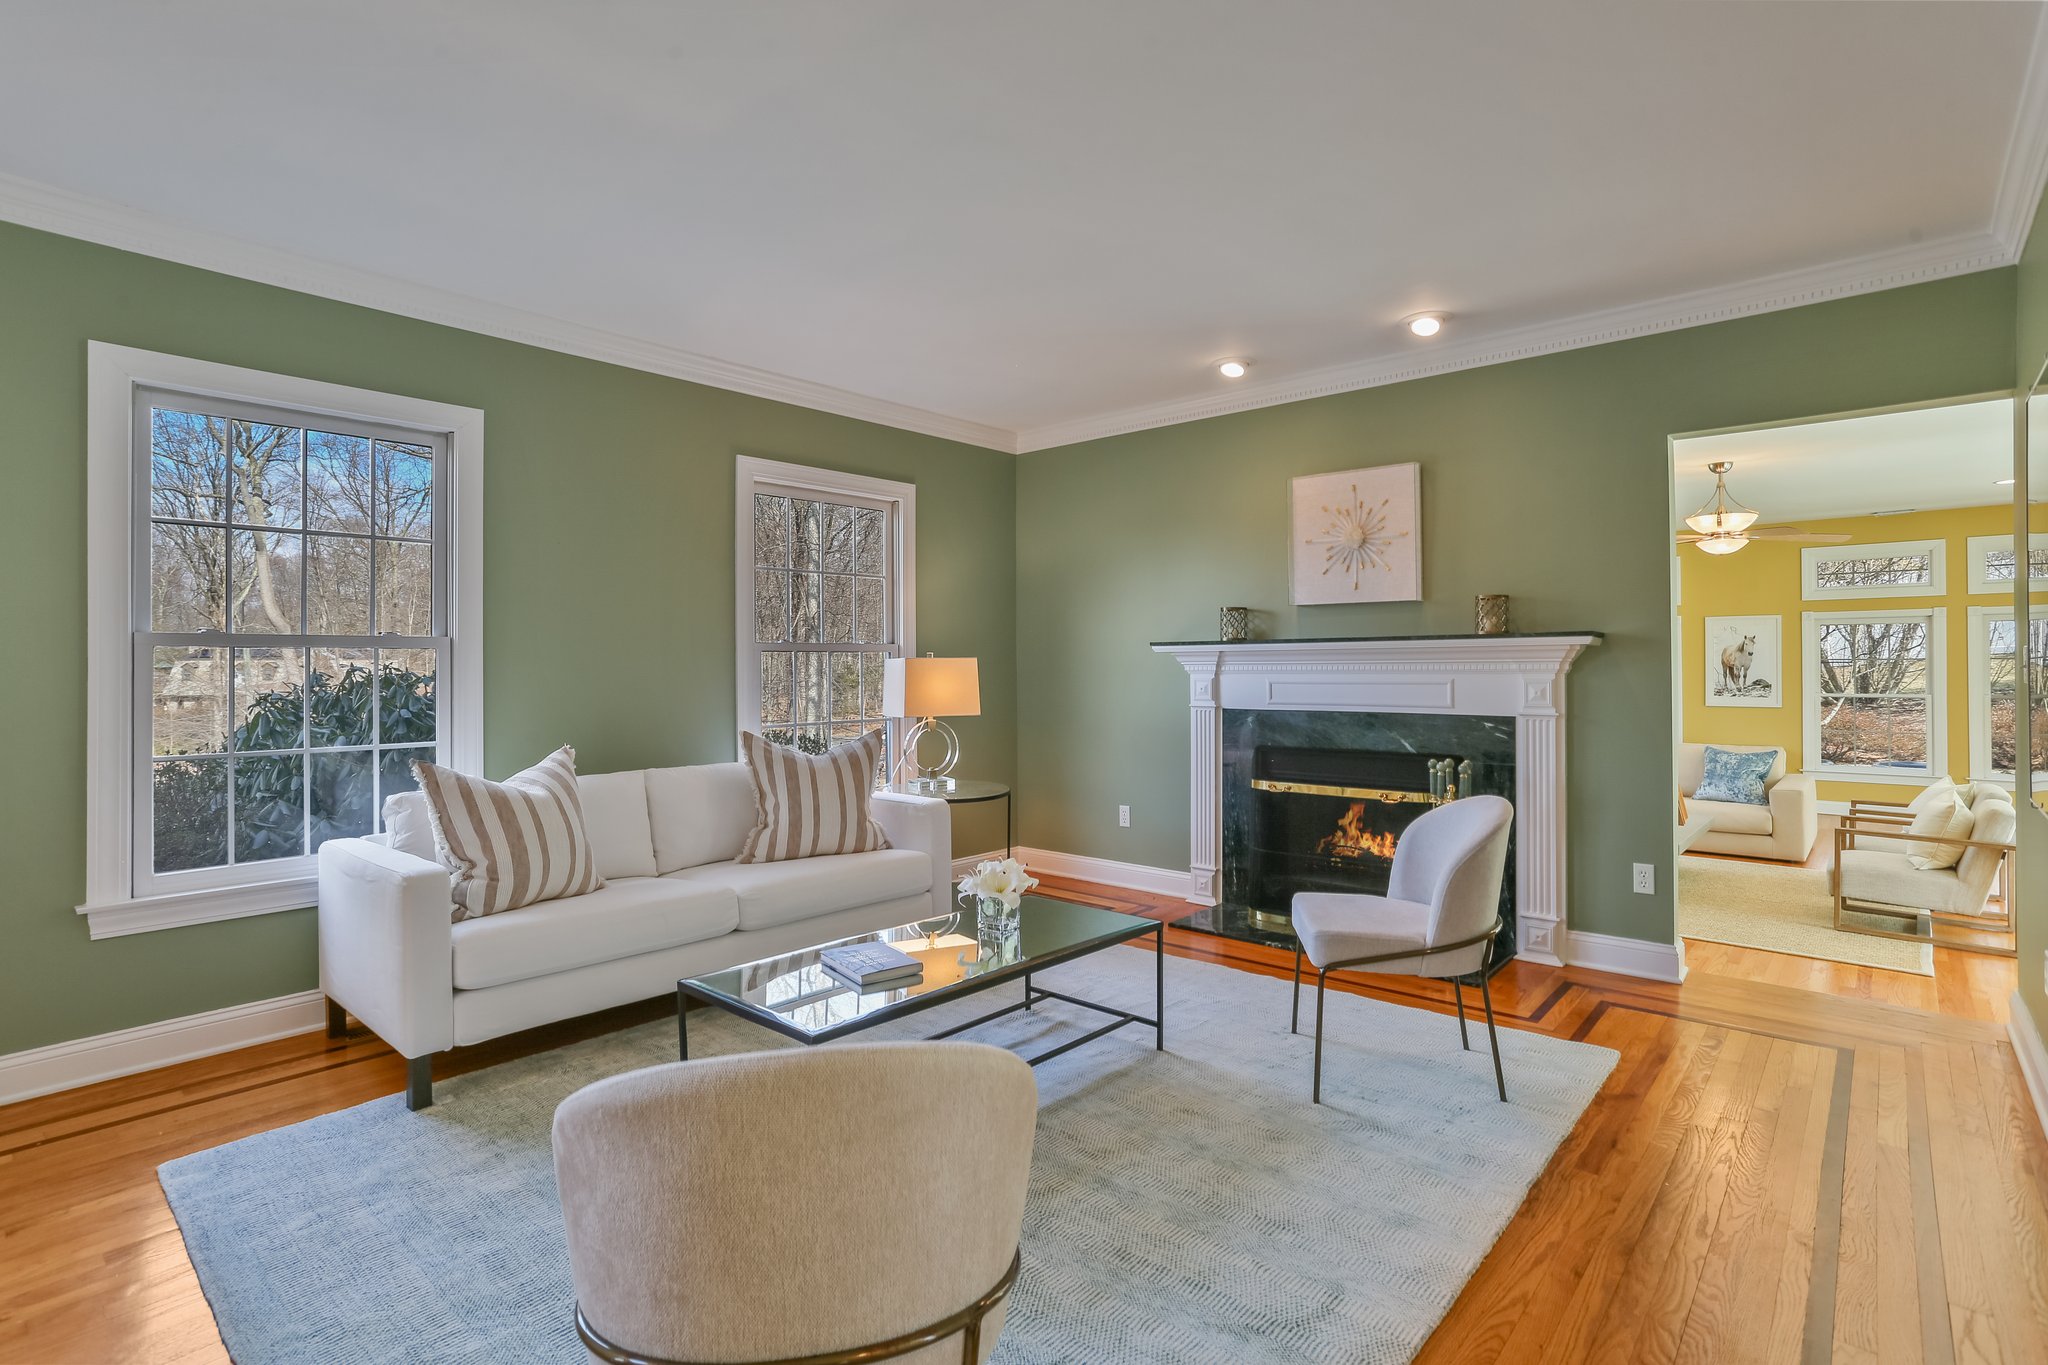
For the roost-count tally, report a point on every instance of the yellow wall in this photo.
(1762, 579)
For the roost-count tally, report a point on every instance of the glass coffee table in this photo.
(795, 996)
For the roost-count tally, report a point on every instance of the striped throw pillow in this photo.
(806, 806)
(511, 843)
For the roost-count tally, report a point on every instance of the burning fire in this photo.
(1349, 839)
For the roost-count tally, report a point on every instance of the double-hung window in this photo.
(289, 613)
(1994, 678)
(826, 592)
(1873, 684)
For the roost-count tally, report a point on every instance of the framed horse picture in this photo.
(1745, 661)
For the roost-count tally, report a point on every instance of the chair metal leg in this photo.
(1294, 1020)
(1458, 991)
(419, 1082)
(337, 1020)
(1316, 1095)
(1493, 1039)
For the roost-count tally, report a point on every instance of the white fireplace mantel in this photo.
(1468, 675)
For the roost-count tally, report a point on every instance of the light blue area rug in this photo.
(1185, 1206)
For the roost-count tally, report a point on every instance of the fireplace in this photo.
(1497, 700)
(1329, 819)
(1318, 801)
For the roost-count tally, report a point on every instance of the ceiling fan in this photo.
(1722, 524)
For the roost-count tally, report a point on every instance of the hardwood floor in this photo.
(1771, 1174)
(1965, 984)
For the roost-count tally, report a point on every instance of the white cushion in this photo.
(624, 919)
(1984, 791)
(410, 826)
(1336, 927)
(700, 814)
(615, 817)
(1933, 791)
(1733, 817)
(778, 893)
(1943, 817)
(1887, 878)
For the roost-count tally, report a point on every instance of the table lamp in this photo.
(925, 689)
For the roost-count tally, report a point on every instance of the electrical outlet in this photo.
(1646, 879)
(1123, 817)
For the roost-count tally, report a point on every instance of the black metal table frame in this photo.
(686, 992)
(1007, 796)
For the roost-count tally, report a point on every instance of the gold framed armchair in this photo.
(1876, 873)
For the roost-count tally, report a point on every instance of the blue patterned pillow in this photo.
(1730, 776)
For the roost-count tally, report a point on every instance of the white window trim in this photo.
(1979, 546)
(749, 474)
(1936, 620)
(1812, 556)
(1980, 704)
(113, 373)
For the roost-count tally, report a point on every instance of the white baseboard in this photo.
(2033, 1054)
(66, 1066)
(1626, 956)
(963, 866)
(1133, 876)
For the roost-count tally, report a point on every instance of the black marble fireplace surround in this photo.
(1316, 801)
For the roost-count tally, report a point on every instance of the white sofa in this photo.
(675, 904)
(1785, 829)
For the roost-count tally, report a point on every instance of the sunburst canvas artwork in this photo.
(1358, 536)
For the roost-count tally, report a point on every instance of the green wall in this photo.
(608, 563)
(1546, 479)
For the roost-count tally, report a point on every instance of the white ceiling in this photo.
(1920, 459)
(1038, 221)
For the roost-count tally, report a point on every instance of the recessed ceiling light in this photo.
(1424, 324)
(1232, 369)
(2002, 483)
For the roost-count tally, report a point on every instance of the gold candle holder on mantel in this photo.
(1234, 624)
(1490, 614)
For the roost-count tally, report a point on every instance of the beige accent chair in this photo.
(1874, 871)
(860, 1202)
(1785, 830)
(1438, 918)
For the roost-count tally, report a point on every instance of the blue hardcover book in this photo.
(870, 964)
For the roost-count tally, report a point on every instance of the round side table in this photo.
(968, 791)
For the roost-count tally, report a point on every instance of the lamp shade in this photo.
(931, 687)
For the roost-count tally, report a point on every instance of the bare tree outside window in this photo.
(821, 617)
(2001, 565)
(1883, 571)
(1873, 693)
(292, 641)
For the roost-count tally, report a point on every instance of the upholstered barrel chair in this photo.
(860, 1202)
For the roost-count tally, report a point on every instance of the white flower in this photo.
(998, 879)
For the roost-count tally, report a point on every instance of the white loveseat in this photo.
(674, 904)
(1784, 829)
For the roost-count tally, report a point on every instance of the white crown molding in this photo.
(1913, 264)
(82, 1061)
(51, 209)
(2022, 181)
(2025, 174)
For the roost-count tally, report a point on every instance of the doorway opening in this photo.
(1846, 654)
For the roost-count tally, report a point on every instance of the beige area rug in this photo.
(1784, 909)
